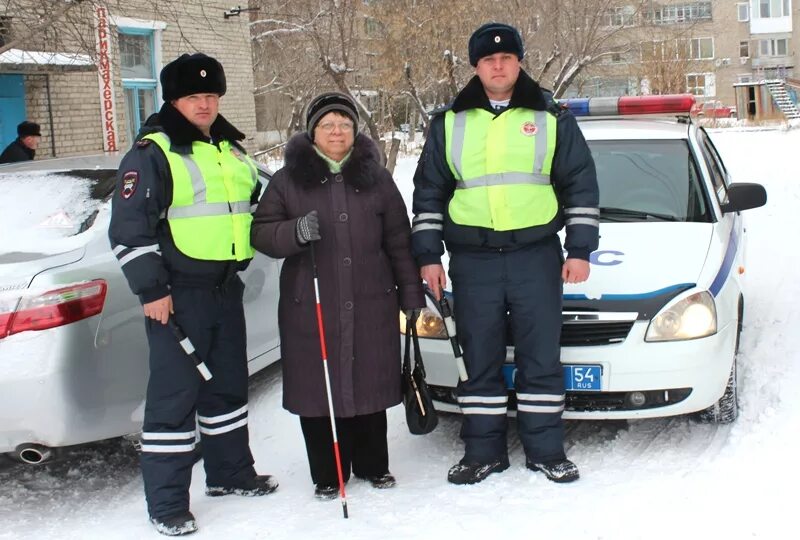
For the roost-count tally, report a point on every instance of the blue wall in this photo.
(12, 107)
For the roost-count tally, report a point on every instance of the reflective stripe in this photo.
(223, 429)
(198, 183)
(429, 215)
(593, 222)
(483, 399)
(222, 417)
(541, 397)
(457, 146)
(540, 408)
(426, 227)
(168, 448)
(138, 252)
(483, 410)
(504, 179)
(168, 436)
(187, 345)
(119, 248)
(582, 210)
(540, 150)
(209, 209)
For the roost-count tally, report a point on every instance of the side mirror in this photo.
(743, 196)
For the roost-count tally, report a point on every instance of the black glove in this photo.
(412, 314)
(308, 228)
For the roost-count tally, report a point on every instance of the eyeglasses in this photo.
(328, 127)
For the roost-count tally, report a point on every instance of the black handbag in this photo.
(420, 415)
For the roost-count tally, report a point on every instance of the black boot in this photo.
(382, 481)
(326, 491)
(255, 487)
(471, 472)
(559, 470)
(177, 525)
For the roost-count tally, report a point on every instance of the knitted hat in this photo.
(192, 74)
(493, 38)
(325, 103)
(26, 129)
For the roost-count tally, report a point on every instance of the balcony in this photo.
(773, 61)
(770, 25)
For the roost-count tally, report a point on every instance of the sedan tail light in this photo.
(53, 308)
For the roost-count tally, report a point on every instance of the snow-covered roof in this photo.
(21, 58)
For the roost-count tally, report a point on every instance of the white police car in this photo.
(655, 330)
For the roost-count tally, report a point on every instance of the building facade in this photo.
(91, 100)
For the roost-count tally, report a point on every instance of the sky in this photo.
(654, 479)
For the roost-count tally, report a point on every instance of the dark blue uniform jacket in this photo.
(573, 177)
(141, 239)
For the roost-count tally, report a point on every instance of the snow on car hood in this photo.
(642, 258)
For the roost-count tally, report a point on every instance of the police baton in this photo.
(450, 326)
(188, 347)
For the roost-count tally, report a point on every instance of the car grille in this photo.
(585, 329)
(590, 401)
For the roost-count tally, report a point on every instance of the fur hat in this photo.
(325, 103)
(192, 74)
(26, 129)
(493, 38)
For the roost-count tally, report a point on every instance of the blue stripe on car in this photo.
(727, 261)
(639, 296)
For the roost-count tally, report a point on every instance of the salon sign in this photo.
(108, 109)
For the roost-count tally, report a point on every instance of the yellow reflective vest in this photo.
(502, 167)
(209, 217)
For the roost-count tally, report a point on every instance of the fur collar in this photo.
(527, 93)
(183, 133)
(304, 165)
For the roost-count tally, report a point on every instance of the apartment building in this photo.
(702, 47)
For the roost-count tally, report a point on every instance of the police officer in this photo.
(180, 227)
(503, 170)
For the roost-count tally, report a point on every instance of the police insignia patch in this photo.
(129, 182)
(529, 129)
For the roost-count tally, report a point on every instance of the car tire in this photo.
(726, 409)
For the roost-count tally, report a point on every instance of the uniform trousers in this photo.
(180, 403)
(513, 294)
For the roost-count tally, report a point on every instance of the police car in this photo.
(655, 330)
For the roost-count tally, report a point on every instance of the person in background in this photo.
(23, 148)
(333, 193)
(504, 168)
(180, 227)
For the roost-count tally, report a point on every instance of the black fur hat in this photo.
(192, 74)
(26, 129)
(493, 38)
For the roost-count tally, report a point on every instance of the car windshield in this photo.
(653, 180)
(39, 210)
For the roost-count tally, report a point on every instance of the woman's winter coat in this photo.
(366, 274)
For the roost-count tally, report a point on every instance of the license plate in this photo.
(577, 377)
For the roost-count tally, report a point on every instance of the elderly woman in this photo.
(334, 192)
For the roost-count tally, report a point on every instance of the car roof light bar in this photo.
(630, 105)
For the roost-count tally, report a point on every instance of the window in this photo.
(744, 49)
(701, 48)
(743, 12)
(619, 16)
(744, 78)
(138, 77)
(701, 84)
(5, 29)
(768, 9)
(773, 47)
(680, 13)
(373, 27)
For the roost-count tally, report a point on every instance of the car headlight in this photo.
(429, 324)
(693, 317)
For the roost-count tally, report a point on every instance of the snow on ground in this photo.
(654, 479)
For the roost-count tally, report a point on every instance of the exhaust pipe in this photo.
(33, 454)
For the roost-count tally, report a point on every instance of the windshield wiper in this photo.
(611, 213)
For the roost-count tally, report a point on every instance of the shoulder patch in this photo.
(141, 143)
(130, 180)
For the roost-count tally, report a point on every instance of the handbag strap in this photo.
(411, 335)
